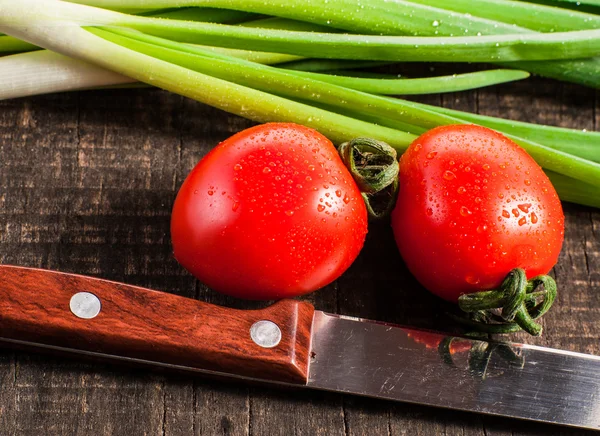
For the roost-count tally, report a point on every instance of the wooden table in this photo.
(87, 182)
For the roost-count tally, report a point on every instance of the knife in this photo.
(292, 344)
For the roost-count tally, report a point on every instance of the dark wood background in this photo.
(87, 182)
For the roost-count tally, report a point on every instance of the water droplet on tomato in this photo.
(237, 167)
(211, 192)
(289, 212)
(524, 207)
(449, 175)
(534, 218)
(320, 208)
(338, 193)
(522, 220)
(472, 280)
(527, 182)
(485, 167)
(235, 206)
(346, 199)
(431, 154)
(429, 211)
(266, 170)
(505, 214)
(461, 190)
(464, 211)
(481, 228)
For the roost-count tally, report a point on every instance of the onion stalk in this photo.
(264, 93)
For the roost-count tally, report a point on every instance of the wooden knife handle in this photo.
(35, 306)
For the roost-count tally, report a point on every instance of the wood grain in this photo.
(86, 185)
(153, 326)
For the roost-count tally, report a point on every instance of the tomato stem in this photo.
(374, 167)
(518, 301)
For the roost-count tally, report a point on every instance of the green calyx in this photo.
(374, 167)
(513, 307)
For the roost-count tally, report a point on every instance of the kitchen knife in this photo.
(290, 343)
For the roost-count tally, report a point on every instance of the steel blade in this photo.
(514, 380)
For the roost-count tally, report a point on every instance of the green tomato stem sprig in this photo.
(520, 302)
(374, 167)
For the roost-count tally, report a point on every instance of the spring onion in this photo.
(187, 57)
(429, 85)
(8, 44)
(531, 16)
(390, 18)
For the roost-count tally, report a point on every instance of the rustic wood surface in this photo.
(87, 182)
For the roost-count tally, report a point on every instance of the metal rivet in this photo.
(85, 305)
(265, 334)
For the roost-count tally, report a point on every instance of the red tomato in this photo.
(269, 213)
(472, 206)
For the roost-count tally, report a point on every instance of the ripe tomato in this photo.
(472, 206)
(269, 213)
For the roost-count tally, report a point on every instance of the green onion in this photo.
(581, 143)
(8, 44)
(262, 93)
(576, 3)
(20, 75)
(400, 17)
(574, 191)
(391, 18)
(255, 105)
(501, 48)
(504, 48)
(532, 16)
(288, 84)
(369, 16)
(428, 85)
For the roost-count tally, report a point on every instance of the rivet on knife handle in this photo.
(99, 316)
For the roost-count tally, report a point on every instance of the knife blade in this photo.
(292, 344)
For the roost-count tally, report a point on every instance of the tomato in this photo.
(269, 213)
(472, 206)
